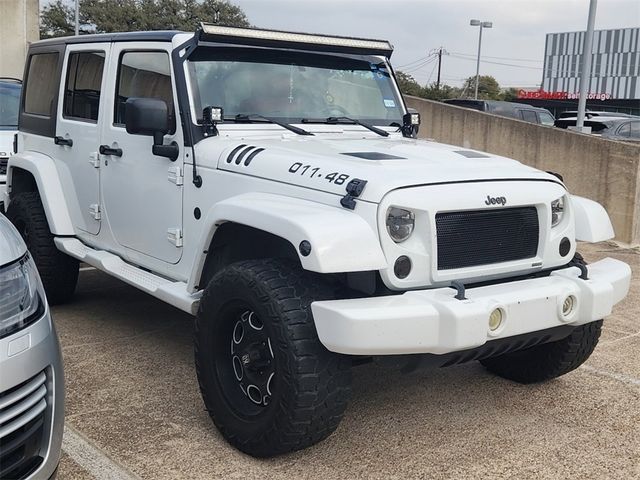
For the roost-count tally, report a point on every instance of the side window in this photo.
(144, 74)
(40, 90)
(545, 118)
(529, 116)
(624, 130)
(635, 130)
(82, 88)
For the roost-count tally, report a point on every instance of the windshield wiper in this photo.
(353, 121)
(247, 117)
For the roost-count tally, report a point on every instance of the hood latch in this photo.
(354, 189)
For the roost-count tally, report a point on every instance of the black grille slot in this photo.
(22, 417)
(3, 166)
(483, 237)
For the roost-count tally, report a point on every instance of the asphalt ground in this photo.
(134, 410)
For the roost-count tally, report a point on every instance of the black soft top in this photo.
(150, 36)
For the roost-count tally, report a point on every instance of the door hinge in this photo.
(94, 210)
(174, 235)
(175, 175)
(94, 159)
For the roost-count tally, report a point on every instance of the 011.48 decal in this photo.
(314, 172)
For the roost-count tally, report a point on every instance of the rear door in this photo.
(77, 137)
(142, 192)
(529, 116)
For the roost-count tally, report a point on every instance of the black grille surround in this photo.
(484, 237)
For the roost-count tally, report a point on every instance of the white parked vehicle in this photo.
(270, 184)
(31, 375)
(9, 100)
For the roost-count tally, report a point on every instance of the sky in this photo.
(417, 27)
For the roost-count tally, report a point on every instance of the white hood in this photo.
(385, 163)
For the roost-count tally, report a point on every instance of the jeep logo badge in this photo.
(495, 200)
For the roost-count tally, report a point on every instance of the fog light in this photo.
(495, 319)
(568, 305)
(565, 247)
(402, 267)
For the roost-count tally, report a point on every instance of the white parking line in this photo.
(86, 269)
(615, 376)
(91, 458)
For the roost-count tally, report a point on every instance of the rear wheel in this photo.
(268, 383)
(59, 272)
(549, 360)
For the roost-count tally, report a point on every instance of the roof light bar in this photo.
(222, 33)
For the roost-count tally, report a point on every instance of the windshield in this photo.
(291, 86)
(9, 102)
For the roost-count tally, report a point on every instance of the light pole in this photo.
(585, 75)
(77, 15)
(478, 23)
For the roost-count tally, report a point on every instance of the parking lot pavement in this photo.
(133, 406)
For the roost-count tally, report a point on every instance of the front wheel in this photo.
(268, 383)
(59, 272)
(549, 360)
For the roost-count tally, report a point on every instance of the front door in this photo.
(77, 134)
(142, 193)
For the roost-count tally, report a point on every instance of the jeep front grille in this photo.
(483, 237)
(3, 165)
(22, 416)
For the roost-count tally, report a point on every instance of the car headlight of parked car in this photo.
(557, 211)
(21, 296)
(400, 223)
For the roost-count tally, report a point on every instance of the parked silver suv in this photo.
(31, 376)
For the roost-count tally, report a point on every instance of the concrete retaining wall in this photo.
(18, 27)
(603, 170)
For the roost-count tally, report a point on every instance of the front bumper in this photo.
(433, 321)
(31, 401)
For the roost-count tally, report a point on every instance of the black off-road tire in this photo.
(549, 360)
(311, 385)
(59, 272)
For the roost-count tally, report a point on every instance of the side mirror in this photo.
(150, 116)
(411, 123)
(146, 116)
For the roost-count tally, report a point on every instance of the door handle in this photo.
(63, 141)
(107, 150)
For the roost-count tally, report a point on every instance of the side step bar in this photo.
(174, 293)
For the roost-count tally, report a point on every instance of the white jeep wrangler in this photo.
(269, 183)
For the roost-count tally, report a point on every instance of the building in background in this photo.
(18, 27)
(615, 71)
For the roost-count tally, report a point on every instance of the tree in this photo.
(104, 16)
(488, 87)
(445, 91)
(56, 20)
(408, 85)
(509, 94)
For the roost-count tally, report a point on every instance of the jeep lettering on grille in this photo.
(495, 200)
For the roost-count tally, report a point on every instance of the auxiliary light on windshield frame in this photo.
(304, 41)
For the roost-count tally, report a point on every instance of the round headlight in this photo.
(557, 211)
(400, 223)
